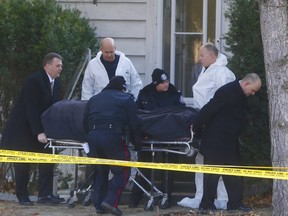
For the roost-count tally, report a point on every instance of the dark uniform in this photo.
(108, 117)
(150, 99)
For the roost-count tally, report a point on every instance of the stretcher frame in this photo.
(58, 145)
(182, 146)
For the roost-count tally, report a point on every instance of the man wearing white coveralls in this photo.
(214, 74)
(108, 63)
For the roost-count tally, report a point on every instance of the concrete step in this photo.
(180, 190)
(176, 197)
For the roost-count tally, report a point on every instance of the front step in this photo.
(180, 190)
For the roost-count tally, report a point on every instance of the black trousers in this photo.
(45, 179)
(233, 185)
(109, 145)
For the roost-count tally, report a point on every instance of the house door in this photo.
(187, 25)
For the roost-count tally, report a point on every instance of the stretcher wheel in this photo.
(149, 206)
(87, 200)
(164, 203)
(71, 202)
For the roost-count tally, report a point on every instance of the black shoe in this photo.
(132, 205)
(244, 208)
(135, 199)
(111, 209)
(101, 211)
(50, 199)
(240, 208)
(26, 202)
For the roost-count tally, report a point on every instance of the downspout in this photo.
(159, 34)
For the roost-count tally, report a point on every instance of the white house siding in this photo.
(132, 23)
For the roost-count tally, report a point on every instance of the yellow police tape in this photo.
(9, 156)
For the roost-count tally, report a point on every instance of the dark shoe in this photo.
(135, 199)
(101, 211)
(50, 199)
(111, 209)
(132, 205)
(240, 208)
(244, 208)
(26, 202)
(206, 211)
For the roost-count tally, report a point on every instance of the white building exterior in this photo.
(158, 33)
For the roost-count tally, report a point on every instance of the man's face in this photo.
(206, 58)
(163, 86)
(108, 51)
(251, 88)
(54, 68)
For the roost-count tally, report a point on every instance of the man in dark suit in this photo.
(222, 120)
(24, 130)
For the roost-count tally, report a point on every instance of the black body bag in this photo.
(170, 123)
(64, 120)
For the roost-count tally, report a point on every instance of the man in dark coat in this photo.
(109, 117)
(24, 131)
(157, 95)
(222, 120)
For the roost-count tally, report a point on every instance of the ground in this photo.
(12, 208)
(261, 207)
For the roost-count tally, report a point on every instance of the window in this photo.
(187, 24)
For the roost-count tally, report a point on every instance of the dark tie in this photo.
(52, 85)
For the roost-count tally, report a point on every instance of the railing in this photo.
(75, 78)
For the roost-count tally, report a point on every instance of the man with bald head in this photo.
(108, 63)
(220, 122)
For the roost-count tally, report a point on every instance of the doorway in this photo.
(187, 24)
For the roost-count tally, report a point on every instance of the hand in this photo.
(42, 138)
(196, 143)
(137, 148)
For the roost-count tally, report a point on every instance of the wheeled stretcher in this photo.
(167, 130)
(76, 148)
(181, 146)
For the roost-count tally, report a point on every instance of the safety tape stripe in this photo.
(31, 157)
(83, 159)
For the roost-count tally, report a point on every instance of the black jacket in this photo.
(150, 99)
(24, 123)
(115, 107)
(222, 119)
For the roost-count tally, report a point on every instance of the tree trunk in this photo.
(274, 30)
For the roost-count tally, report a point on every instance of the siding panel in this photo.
(128, 29)
(126, 21)
(110, 10)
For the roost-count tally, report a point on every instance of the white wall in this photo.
(132, 23)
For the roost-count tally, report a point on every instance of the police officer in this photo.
(107, 118)
(159, 94)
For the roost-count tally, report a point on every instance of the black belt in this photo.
(105, 126)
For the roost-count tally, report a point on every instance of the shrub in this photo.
(29, 29)
(244, 41)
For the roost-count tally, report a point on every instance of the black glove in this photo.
(196, 142)
(137, 148)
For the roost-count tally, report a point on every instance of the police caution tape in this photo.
(257, 172)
